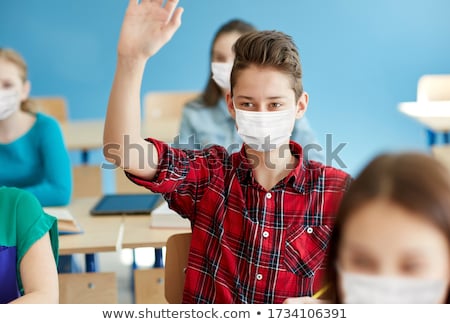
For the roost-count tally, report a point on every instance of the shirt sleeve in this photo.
(184, 175)
(32, 223)
(56, 187)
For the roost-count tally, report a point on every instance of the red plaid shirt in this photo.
(249, 245)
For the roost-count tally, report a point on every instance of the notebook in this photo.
(126, 204)
(67, 224)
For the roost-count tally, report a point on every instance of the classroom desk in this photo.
(137, 233)
(100, 234)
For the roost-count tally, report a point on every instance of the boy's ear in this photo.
(302, 105)
(230, 105)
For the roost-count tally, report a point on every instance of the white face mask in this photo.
(221, 73)
(9, 103)
(265, 131)
(371, 289)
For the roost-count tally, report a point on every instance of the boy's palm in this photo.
(147, 27)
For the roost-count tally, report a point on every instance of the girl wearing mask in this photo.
(32, 152)
(206, 120)
(391, 240)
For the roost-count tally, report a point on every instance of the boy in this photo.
(261, 218)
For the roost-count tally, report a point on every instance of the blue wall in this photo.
(360, 57)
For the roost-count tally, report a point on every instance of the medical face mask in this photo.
(265, 131)
(371, 289)
(9, 103)
(221, 73)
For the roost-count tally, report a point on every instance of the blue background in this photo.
(360, 58)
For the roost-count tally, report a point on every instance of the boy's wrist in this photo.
(130, 62)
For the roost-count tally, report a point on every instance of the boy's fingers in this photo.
(159, 2)
(175, 20)
(170, 6)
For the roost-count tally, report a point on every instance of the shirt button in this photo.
(268, 195)
(265, 234)
(309, 230)
(258, 276)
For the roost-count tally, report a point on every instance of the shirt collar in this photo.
(296, 178)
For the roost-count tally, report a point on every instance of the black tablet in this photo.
(126, 204)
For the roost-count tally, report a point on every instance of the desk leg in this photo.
(431, 136)
(159, 262)
(84, 156)
(91, 263)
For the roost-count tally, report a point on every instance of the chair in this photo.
(87, 181)
(177, 252)
(163, 111)
(434, 87)
(53, 106)
(149, 286)
(161, 285)
(126, 186)
(88, 288)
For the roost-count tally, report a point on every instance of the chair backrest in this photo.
(177, 253)
(126, 186)
(433, 87)
(149, 286)
(87, 181)
(88, 288)
(53, 106)
(165, 108)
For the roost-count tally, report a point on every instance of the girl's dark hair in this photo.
(414, 181)
(212, 92)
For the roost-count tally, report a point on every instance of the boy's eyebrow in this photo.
(270, 98)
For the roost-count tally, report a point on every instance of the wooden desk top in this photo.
(433, 114)
(88, 134)
(138, 233)
(101, 233)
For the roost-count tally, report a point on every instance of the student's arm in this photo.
(56, 186)
(146, 28)
(39, 274)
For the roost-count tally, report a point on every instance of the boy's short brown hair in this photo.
(268, 49)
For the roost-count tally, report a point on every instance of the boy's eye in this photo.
(246, 105)
(275, 105)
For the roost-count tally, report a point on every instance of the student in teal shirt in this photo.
(28, 250)
(33, 155)
(32, 151)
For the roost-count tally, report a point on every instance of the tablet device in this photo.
(126, 204)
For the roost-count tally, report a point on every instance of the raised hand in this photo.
(147, 26)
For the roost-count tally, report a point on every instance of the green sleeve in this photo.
(32, 224)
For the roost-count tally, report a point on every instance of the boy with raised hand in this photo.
(261, 218)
